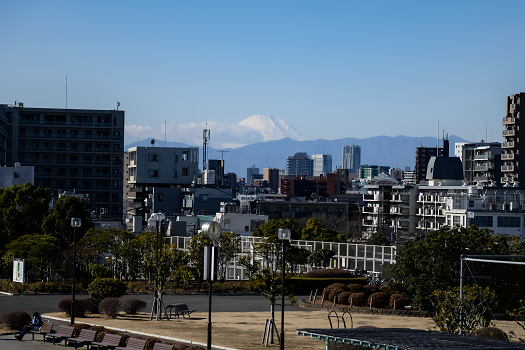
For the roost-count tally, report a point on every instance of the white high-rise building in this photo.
(352, 158)
(322, 164)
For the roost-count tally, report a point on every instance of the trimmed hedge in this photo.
(109, 307)
(80, 307)
(103, 288)
(329, 273)
(132, 306)
(15, 319)
(303, 286)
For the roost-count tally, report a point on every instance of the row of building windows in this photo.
(502, 221)
(185, 172)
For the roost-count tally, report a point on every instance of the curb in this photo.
(145, 334)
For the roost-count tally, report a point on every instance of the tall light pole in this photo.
(212, 231)
(157, 302)
(75, 222)
(283, 234)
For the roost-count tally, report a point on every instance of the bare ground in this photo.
(245, 330)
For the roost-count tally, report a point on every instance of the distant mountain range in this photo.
(396, 151)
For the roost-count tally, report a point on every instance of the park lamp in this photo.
(283, 234)
(157, 302)
(75, 222)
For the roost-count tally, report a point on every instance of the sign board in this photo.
(18, 270)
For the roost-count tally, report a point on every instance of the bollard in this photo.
(310, 299)
(335, 299)
(371, 302)
(351, 302)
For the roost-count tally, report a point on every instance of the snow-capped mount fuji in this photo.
(272, 128)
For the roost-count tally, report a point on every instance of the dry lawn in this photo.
(245, 330)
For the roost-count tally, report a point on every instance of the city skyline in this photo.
(406, 66)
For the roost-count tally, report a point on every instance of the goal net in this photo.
(505, 276)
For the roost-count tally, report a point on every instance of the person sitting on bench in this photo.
(35, 324)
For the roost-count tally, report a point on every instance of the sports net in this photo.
(505, 276)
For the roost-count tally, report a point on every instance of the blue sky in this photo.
(330, 69)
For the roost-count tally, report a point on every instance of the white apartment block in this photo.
(163, 165)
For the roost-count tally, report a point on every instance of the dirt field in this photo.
(245, 330)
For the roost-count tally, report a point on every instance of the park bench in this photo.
(109, 341)
(86, 336)
(63, 332)
(134, 344)
(162, 346)
(180, 309)
(44, 329)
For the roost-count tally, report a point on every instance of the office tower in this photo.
(272, 176)
(322, 164)
(369, 171)
(249, 172)
(513, 151)
(299, 164)
(352, 158)
(70, 149)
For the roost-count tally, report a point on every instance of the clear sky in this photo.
(330, 69)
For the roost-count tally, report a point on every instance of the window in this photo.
(185, 156)
(508, 221)
(203, 212)
(471, 203)
(176, 174)
(246, 228)
(153, 173)
(16, 175)
(203, 197)
(482, 221)
(456, 220)
(176, 157)
(160, 197)
(185, 171)
(154, 157)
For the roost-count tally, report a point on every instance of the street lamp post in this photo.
(75, 222)
(212, 231)
(283, 234)
(157, 302)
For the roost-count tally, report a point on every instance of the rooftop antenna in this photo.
(118, 105)
(486, 132)
(205, 141)
(222, 155)
(165, 139)
(437, 146)
(66, 91)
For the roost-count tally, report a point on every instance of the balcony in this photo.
(509, 120)
(62, 122)
(508, 144)
(510, 132)
(507, 168)
(507, 156)
(484, 167)
(482, 156)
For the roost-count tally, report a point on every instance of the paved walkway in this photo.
(8, 342)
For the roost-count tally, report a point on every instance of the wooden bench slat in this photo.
(63, 332)
(44, 329)
(134, 344)
(109, 340)
(162, 346)
(85, 336)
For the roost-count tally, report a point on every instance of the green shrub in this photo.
(103, 288)
(303, 286)
(329, 273)
(15, 319)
